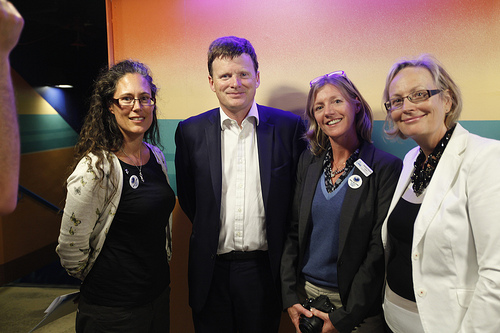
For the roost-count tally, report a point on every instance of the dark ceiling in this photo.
(63, 42)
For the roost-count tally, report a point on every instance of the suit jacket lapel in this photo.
(310, 183)
(442, 179)
(265, 132)
(213, 146)
(352, 196)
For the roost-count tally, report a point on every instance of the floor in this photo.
(22, 307)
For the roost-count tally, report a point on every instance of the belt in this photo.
(242, 255)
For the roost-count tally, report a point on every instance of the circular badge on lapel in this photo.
(355, 181)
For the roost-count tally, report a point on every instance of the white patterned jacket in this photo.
(89, 212)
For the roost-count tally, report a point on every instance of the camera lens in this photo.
(310, 325)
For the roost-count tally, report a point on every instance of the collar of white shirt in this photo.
(224, 119)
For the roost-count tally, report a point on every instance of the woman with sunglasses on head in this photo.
(441, 236)
(344, 187)
(115, 231)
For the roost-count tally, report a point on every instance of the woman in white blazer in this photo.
(442, 233)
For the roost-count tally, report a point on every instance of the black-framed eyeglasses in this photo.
(128, 101)
(316, 80)
(416, 97)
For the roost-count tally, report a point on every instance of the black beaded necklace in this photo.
(424, 169)
(327, 169)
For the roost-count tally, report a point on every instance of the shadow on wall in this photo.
(293, 100)
(289, 99)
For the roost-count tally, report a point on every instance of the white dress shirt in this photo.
(242, 213)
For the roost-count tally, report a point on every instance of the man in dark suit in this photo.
(235, 170)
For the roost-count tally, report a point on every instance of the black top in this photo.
(132, 268)
(400, 232)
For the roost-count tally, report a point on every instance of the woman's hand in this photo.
(295, 311)
(327, 324)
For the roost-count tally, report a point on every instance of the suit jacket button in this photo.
(212, 256)
(340, 263)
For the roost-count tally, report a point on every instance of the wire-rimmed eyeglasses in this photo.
(316, 80)
(415, 97)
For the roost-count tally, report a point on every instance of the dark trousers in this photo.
(153, 317)
(242, 298)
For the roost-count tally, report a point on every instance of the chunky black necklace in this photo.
(424, 169)
(327, 169)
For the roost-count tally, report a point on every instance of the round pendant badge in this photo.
(134, 182)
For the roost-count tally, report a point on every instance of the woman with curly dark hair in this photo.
(115, 232)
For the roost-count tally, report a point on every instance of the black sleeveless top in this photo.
(132, 268)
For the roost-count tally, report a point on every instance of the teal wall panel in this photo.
(167, 133)
(397, 147)
(489, 129)
(45, 132)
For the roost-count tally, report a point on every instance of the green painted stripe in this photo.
(167, 133)
(489, 129)
(45, 132)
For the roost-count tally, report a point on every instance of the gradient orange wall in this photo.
(297, 40)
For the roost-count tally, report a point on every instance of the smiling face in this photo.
(423, 122)
(335, 115)
(235, 82)
(134, 120)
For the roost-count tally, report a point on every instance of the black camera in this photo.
(314, 324)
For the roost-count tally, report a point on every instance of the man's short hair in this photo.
(230, 47)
